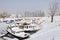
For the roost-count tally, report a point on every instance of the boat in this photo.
(26, 27)
(11, 20)
(8, 20)
(18, 32)
(30, 27)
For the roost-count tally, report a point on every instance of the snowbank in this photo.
(3, 29)
(49, 31)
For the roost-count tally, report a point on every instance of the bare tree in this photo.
(53, 9)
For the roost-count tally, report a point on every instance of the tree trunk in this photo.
(51, 18)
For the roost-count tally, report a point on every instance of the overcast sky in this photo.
(14, 6)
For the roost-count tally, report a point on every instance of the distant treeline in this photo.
(24, 14)
(33, 14)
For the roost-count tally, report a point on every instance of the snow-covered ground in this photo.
(49, 31)
(3, 29)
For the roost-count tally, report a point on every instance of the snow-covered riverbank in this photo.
(49, 31)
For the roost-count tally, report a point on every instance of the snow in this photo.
(22, 34)
(19, 33)
(49, 31)
(7, 38)
(3, 29)
(17, 29)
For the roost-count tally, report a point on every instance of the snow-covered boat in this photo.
(16, 31)
(8, 20)
(30, 28)
(11, 20)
